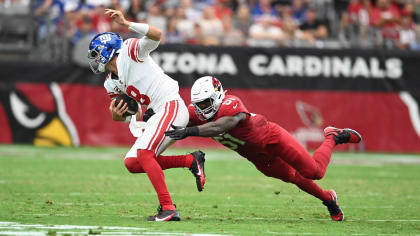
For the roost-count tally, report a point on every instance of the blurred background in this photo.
(305, 64)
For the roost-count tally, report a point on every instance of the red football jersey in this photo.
(249, 137)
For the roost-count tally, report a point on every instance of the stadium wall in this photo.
(303, 90)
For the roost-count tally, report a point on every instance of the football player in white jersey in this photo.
(132, 71)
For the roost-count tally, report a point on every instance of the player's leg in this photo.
(283, 144)
(328, 197)
(196, 164)
(146, 155)
(277, 168)
(193, 161)
(165, 162)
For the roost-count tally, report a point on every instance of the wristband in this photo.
(139, 28)
(192, 131)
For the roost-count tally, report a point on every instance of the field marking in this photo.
(14, 228)
(308, 233)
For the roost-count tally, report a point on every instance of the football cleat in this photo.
(343, 135)
(335, 212)
(197, 169)
(167, 215)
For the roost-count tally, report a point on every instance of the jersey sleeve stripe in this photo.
(132, 49)
(129, 44)
(136, 51)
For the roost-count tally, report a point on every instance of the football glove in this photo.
(180, 132)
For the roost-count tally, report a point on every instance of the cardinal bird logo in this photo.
(310, 115)
(216, 84)
(39, 119)
(312, 119)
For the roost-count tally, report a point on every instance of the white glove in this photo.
(136, 127)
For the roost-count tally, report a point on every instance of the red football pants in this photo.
(289, 161)
(283, 145)
(279, 169)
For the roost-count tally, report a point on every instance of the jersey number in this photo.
(229, 141)
(228, 101)
(135, 93)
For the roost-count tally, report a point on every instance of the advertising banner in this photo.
(303, 90)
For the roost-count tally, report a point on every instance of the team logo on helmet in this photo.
(216, 84)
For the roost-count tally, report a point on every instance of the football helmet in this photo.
(207, 95)
(101, 50)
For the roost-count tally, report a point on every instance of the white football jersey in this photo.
(140, 77)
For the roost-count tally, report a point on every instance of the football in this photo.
(131, 104)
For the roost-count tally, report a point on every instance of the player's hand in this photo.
(117, 16)
(119, 109)
(177, 133)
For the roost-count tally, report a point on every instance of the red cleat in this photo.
(335, 212)
(343, 135)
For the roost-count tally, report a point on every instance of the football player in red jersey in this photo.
(273, 150)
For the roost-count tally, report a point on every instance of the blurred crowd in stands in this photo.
(261, 23)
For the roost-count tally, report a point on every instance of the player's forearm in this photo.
(210, 130)
(218, 127)
(151, 32)
(206, 130)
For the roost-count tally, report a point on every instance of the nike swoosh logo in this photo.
(199, 169)
(165, 218)
(234, 107)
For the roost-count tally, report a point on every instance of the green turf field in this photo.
(87, 190)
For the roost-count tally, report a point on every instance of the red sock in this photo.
(322, 156)
(311, 187)
(167, 162)
(147, 160)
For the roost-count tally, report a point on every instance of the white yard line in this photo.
(13, 228)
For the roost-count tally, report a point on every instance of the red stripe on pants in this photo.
(162, 136)
(165, 122)
(158, 127)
